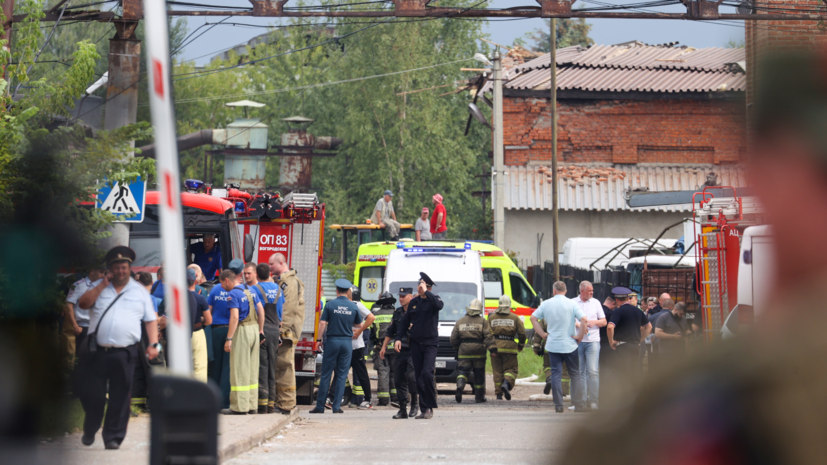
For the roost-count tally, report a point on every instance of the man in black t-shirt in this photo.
(671, 331)
(627, 328)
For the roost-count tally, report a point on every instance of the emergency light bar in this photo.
(401, 245)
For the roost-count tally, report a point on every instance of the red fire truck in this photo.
(251, 227)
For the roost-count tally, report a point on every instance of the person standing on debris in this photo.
(439, 230)
(384, 216)
(561, 316)
(423, 226)
(506, 327)
(336, 324)
(292, 289)
(471, 336)
(400, 358)
(589, 348)
(117, 306)
(422, 318)
(383, 313)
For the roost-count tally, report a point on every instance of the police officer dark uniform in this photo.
(400, 358)
(383, 311)
(118, 306)
(471, 336)
(627, 328)
(506, 326)
(423, 319)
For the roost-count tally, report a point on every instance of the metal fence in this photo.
(542, 278)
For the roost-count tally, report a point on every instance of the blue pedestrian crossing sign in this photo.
(126, 201)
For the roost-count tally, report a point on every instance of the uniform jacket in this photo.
(472, 336)
(505, 328)
(394, 329)
(538, 343)
(384, 315)
(292, 318)
(423, 318)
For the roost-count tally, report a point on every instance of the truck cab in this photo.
(458, 278)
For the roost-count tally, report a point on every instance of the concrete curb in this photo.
(254, 438)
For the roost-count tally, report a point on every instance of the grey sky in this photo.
(604, 31)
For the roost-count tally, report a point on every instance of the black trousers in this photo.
(116, 368)
(144, 369)
(403, 374)
(423, 357)
(267, 366)
(360, 371)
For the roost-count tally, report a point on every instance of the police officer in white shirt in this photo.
(76, 320)
(118, 305)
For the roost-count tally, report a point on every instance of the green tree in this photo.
(570, 31)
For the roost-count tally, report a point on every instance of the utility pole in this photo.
(499, 184)
(122, 98)
(555, 221)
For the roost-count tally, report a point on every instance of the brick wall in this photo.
(763, 36)
(625, 131)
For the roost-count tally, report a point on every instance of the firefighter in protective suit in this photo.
(470, 337)
(383, 311)
(506, 326)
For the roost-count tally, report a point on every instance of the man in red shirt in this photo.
(438, 229)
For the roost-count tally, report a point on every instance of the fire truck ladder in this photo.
(715, 296)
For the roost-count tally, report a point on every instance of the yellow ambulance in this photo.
(500, 275)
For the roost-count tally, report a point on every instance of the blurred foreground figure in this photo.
(759, 399)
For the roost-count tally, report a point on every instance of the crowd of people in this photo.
(244, 330)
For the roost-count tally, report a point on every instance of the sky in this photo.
(604, 31)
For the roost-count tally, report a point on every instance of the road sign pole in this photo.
(179, 328)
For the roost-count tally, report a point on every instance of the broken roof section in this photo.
(634, 67)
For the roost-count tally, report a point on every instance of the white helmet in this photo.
(475, 308)
(505, 305)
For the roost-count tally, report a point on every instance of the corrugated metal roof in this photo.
(529, 187)
(633, 67)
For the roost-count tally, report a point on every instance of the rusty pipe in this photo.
(185, 142)
(328, 142)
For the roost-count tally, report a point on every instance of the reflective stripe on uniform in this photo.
(393, 391)
(357, 390)
(383, 394)
(472, 356)
(507, 351)
(139, 400)
(247, 388)
(508, 374)
(262, 402)
(461, 376)
(478, 386)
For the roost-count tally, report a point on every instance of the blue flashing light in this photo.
(194, 184)
(467, 246)
(400, 245)
(430, 250)
(239, 207)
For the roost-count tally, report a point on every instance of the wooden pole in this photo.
(554, 219)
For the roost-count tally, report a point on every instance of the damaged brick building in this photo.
(631, 116)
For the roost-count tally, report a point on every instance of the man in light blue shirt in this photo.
(562, 337)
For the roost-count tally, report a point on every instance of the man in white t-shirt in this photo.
(384, 216)
(357, 359)
(423, 226)
(589, 348)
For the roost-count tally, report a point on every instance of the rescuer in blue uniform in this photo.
(423, 319)
(207, 255)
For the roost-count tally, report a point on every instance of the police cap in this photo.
(427, 279)
(403, 291)
(621, 291)
(120, 253)
(236, 266)
(386, 299)
(342, 284)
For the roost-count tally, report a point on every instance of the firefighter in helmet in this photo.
(506, 326)
(383, 311)
(471, 337)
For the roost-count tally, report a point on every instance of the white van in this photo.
(756, 273)
(457, 274)
(582, 252)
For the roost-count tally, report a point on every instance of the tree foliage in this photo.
(410, 143)
(570, 31)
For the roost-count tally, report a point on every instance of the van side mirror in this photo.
(249, 244)
(537, 301)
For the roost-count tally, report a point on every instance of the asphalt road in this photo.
(494, 432)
